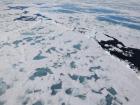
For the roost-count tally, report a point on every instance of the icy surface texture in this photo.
(69, 52)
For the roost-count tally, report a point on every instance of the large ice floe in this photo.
(69, 52)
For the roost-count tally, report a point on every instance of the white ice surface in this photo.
(63, 31)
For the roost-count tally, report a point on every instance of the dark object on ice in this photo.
(31, 18)
(118, 49)
(3, 87)
(26, 18)
(112, 91)
(38, 103)
(18, 7)
(69, 91)
(40, 72)
(98, 92)
(25, 12)
(127, 99)
(39, 56)
(82, 79)
(42, 16)
(38, 14)
(109, 99)
(55, 88)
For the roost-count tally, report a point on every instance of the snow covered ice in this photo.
(69, 52)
